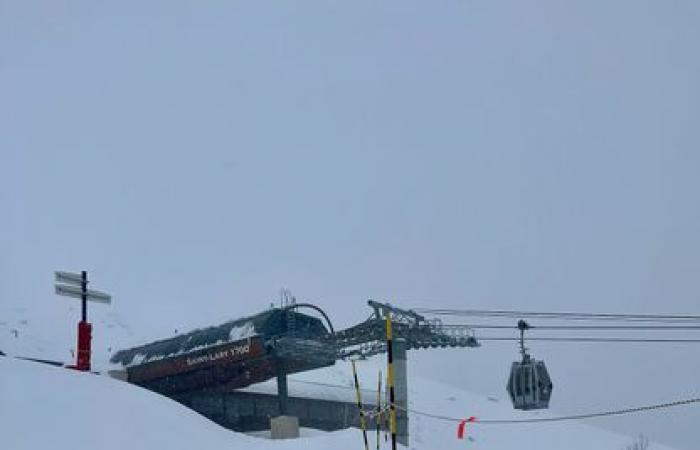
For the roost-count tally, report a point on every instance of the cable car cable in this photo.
(581, 327)
(594, 339)
(561, 418)
(533, 420)
(560, 315)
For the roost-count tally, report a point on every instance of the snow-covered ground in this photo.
(43, 407)
(47, 407)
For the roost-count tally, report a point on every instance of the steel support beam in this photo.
(401, 390)
(282, 389)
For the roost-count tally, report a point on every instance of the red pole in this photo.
(84, 330)
(84, 341)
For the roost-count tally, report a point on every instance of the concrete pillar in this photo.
(401, 391)
(284, 427)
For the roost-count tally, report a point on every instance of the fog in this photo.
(197, 157)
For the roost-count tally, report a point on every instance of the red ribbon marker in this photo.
(461, 428)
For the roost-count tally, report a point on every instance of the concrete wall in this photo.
(245, 411)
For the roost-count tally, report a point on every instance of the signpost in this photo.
(77, 292)
(75, 285)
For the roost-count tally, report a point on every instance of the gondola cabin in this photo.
(529, 385)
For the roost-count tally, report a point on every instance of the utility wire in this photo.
(618, 412)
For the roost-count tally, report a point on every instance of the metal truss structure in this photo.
(368, 338)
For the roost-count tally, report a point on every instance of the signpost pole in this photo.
(84, 328)
(83, 286)
(75, 285)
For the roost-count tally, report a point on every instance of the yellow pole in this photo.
(359, 405)
(390, 368)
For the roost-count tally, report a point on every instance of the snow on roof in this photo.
(267, 323)
(198, 339)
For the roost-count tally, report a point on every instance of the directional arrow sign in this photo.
(73, 291)
(69, 278)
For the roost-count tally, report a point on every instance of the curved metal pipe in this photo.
(316, 308)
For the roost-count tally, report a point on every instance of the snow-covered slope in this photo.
(428, 433)
(48, 407)
(50, 332)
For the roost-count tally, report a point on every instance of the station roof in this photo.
(270, 323)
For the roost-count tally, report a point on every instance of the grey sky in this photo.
(497, 154)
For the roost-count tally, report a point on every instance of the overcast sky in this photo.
(196, 157)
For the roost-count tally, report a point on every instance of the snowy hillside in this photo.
(85, 411)
(50, 332)
(48, 407)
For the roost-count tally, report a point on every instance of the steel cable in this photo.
(561, 315)
(560, 418)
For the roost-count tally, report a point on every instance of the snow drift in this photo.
(49, 407)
